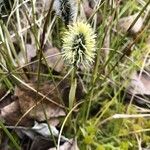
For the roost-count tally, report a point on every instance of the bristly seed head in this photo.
(66, 9)
(79, 45)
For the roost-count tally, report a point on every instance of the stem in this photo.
(10, 136)
(72, 92)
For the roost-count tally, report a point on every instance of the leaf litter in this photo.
(33, 124)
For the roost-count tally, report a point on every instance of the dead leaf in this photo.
(43, 129)
(11, 114)
(3, 91)
(4, 145)
(29, 54)
(41, 143)
(125, 22)
(5, 99)
(53, 121)
(89, 12)
(46, 4)
(34, 69)
(140, 84)
(28, 99)
(54, 59)
(70, 145)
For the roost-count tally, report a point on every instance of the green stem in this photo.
(10, 136)
(72, 92)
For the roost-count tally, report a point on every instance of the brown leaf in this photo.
(5, 99)
(3, 91)
(140, 84)
(125, 22)
(89, 12)
(11, 114)
(54, 59)
(41, 143)
(53, 121)
(30, 53)
(28, 99)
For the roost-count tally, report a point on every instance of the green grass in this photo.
(91, 120)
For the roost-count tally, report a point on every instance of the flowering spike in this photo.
(66, 9)
(79, 44)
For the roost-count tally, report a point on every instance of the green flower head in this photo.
(79, 45)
